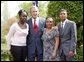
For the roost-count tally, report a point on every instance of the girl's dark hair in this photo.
(49, 17)
(20, 11)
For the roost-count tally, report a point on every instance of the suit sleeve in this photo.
(73, 37)
(27, 37)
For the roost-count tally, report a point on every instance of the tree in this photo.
(26, 6)
(41, 5)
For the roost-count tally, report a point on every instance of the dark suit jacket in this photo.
(68, 37)
(34, 39)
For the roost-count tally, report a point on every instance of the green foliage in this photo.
(5, 56)
(42, 8)
(80, 36)
(26, 6)
(79, 55)
(75, 13)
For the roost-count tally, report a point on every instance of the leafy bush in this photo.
(79, 55)
(6, 56)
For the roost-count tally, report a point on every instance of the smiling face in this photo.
(23, 17)
(63, 15)
(34, 12)
(49, 22)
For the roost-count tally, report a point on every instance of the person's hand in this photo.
(53, 55)
(70, 54)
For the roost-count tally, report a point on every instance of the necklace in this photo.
(22, 26)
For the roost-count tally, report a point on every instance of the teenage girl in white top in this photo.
(16, 38)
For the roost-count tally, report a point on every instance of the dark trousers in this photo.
(39, 57)
(19, 53)
(63, 57)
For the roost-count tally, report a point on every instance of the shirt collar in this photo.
(36, 18)
(64, 21)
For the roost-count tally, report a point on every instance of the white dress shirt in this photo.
(37, 21)
(17, 36)
(63, 23)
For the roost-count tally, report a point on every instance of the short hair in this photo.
(20, 11)
(49, 17)
(33, 7)
(63, 10)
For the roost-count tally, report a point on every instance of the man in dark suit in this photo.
(68, 37)
(34, 42)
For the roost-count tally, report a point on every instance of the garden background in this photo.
(46, 8)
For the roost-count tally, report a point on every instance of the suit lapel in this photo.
(31, 25)
(65, 27)
(39, 25)
(60, 29)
